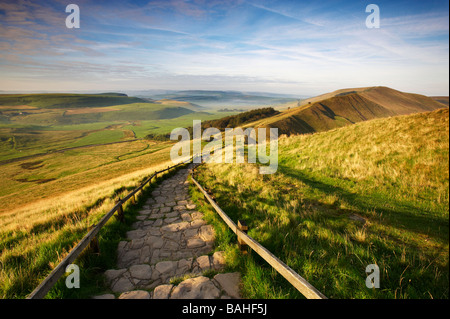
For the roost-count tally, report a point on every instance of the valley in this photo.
(362, 178)
(51, 122)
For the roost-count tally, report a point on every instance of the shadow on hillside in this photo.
(402, 218)
(322, 249)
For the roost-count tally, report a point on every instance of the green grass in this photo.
(115, 113)
(57, 173)
(101, 137)
(259, 282)
(392, 172)
(49, 130)
(128, 112)
(163, 126)
(79, 127)
(20, 142)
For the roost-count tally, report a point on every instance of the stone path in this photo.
(170, 243)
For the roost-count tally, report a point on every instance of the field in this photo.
(58, 100)
(375, 192)
(44, 123)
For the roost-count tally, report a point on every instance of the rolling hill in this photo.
(348, 106)
(187, 105)
(32, 124)
(73, 109)
(60, 100)
(375, 192)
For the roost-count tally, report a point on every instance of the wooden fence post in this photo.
(242, 225)
(93, 245)
(120, 215)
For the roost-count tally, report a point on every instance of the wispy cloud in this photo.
(289, 45)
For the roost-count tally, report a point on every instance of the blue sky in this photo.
(296, 47)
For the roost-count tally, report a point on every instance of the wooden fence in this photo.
(304, 287)
(89, 238)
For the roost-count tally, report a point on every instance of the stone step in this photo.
(170, 240)
(222, 286)
(146, 276)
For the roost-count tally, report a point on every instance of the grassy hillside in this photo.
(400, 103)
(344, 107)
(376, 192)
(49, 203)
(50, 122)
(18, 140)
(334, 112)
(187, 105)
(240, 119)
(165, 126)
(70, 116)
(328, 95)
(59, 100)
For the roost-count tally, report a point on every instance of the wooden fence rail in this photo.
(45, 286)
(304, 287)
(240, 230)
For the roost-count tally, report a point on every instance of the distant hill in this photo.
(328, 95)
(441, 99)
(240, 119)
(72, 109)
(221, 99)
(232, 121)
(58, 100)
(113, 94)
(348, 106)
(184, 104)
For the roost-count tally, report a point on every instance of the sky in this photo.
(286, 46)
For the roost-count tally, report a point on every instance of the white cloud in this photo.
(309, 50)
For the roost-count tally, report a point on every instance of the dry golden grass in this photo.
(75, 169)
(384, 154)
(87, 110)
(46, 210)
(17, 107)
(42, 222)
